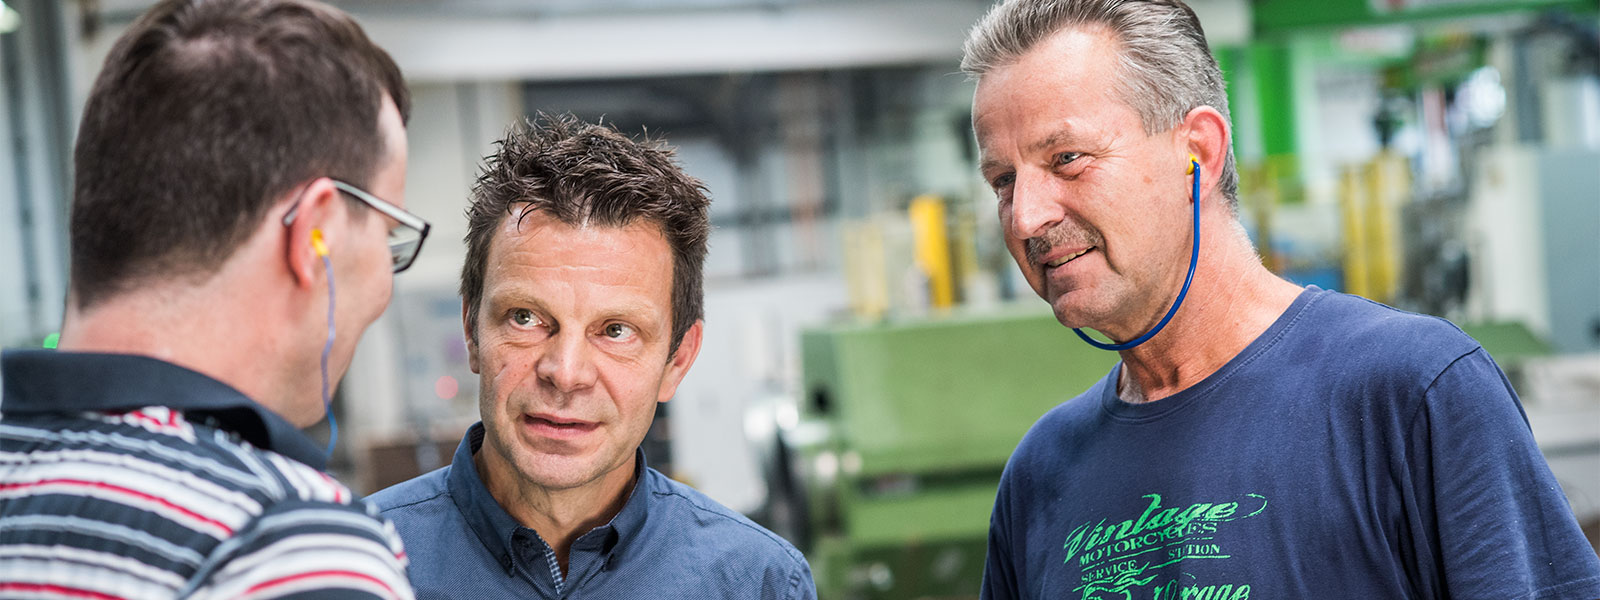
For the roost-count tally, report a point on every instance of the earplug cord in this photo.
(327, 348)
(1194, 258)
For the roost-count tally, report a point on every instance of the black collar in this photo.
(48, 381)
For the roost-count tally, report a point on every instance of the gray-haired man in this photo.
(1258, 438)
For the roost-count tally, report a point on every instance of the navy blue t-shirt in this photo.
(1352, 451)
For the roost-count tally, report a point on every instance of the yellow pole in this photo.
(933, 249)
(1351, 190)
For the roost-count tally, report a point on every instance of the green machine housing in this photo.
(920, 416)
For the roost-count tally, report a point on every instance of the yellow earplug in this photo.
(1193, 160)
(316, 242)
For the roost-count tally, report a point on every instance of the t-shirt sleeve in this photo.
(310, 550)
(999, 574)
(1505, 529)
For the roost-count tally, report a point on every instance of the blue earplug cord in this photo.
(1194, 258)
(327, 400)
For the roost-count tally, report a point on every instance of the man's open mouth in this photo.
(1068, 258)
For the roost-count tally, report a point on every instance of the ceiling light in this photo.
(9, 19)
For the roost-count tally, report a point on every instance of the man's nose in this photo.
(568, 365)
(1036, 205)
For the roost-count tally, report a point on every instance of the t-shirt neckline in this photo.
(1146, 411)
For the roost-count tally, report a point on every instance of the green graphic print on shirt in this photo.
(1117, 560)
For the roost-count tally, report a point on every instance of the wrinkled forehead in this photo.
(1064, 92)
(1073, 68)
(605, 253)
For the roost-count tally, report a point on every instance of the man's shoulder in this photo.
(310, 521)
(156, 443)
(1371, 324)
(193, 494)
(719, 526)
(1372, 338)
(287, 487)
(280, 478)
(412, 496)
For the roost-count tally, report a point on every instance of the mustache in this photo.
(1063, 234)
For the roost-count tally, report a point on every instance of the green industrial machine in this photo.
(919, 418)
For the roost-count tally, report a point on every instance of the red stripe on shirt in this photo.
(143, 416)
(338, 493)
(318, 574)
(121, 490)
(55, 589)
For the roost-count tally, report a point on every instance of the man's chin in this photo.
(562, 472)
(1075, 322)
(558, 476)
(1071, 310)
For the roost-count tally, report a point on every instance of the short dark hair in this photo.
(578, 173)
(205, 112)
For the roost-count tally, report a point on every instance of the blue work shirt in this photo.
(668, 541)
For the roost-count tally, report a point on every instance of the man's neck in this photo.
(559, 516)
(1233, 300)
(223, 328)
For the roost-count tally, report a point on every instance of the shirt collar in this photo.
(50, 381)
(495, 527)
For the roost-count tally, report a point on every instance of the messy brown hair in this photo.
(582, 173)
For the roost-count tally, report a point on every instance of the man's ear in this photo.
(1208, 136)
(468, 328)
(313, 213)
(678, 365)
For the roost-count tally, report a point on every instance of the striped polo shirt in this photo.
(128, 477)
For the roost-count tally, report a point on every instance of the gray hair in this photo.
(1166, 67)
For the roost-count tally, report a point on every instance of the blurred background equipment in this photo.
(900, 471)
(871, 353)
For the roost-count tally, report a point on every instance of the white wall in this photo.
(750, 353)
(1502, 224)
(639, 43)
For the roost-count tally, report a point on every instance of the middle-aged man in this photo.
(1270, 441)
(235, 159)
(581, 301)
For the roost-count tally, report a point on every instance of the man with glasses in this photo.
(239, 168)
(405, 237)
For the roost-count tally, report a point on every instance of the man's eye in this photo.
(618, 331)
(1002, 181)
(1066, 157)
(523, 317)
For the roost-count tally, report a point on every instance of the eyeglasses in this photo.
(405, 241)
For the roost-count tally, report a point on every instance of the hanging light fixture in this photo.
(9, 19)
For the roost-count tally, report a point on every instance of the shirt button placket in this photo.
(555, 572)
